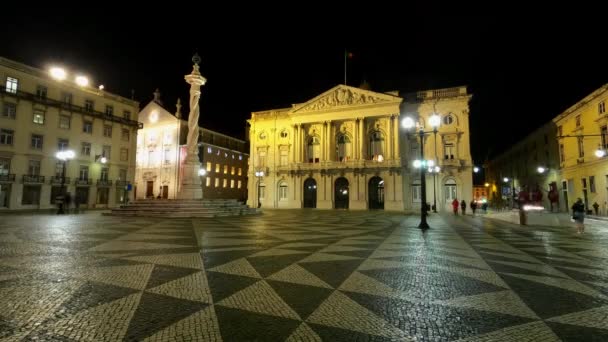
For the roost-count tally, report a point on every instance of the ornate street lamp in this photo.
(409, 123)
(259, 175)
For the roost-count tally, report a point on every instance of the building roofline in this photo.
(581, 103)
(37, 72)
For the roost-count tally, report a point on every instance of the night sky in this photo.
(522, 73)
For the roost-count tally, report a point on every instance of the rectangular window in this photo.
(448, 151)
(240, 157)
(562, 156)
(89, 105)
(11, 85)
(39, 117)
(578, 121)
(559, 131)
(232, 184)
(86, 149)
(225, 182)
(62, 144)
(31, 195)
(7, 136)
(84, 172)
(122, 174)
(592, 183)
(33, 168)
(581, 148)
(37, 141)
(217, 182)
(107, 131)
(217, 168)
(126, 115)
(604, 133)
(9, 110)
(87, 127)
(41, 92)
(240, 171)
(5, 166)
(109, 110)
(284, 158)
(59, 169)
(124, 155)
(239, 184)
(209, 150)
(106, 151)
(601, 107)
(416, 198)
(66, 98)
(261, 158)
(208, 168)
(125, 134)
(232, 170)
(283, 191)
(167, 156)
(64, 121)
(225, 169)
(208, 181)
(104, 174)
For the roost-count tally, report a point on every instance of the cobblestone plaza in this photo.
(299, 276)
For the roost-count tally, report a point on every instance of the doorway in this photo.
(310, 193)
(376, 193)
(341, 193)
(150, 189)
(165, 191)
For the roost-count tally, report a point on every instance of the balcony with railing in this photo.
(102, 182)
(68, 106)
(121, 183)
(33, 179)
(8, 177)
(83, 181)
(57, 180)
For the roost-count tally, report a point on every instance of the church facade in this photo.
(346, 149)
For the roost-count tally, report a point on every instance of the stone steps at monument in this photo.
(184, 209)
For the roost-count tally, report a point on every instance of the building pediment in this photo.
(343, 96)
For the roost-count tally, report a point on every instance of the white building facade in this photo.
(346, 149)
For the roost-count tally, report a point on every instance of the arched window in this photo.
(314, 149)
(344, 148)
(448, 119)
(376, 146)
(283, 191)
(284, 134)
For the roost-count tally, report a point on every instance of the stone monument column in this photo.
(191, 186)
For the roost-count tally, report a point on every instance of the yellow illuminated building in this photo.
(346, 149)
(583, 142)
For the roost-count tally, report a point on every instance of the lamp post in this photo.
(63, 156)
(409, 123)
(259, 175)
(434, 170)
(506, 180)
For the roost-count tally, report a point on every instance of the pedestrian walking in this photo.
(455, 204)
(473, 206)
(68, 201)
(578, 215)
(463, 206)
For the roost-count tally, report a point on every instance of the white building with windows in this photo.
(346, 148)
(43, 112)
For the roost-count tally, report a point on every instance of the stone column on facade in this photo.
(191, 187)
(332, 142)
(389, 143)
(396, 151)
(356, 140)
(293, 144)
(361, 138)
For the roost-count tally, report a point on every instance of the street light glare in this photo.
(600, 153)
(475, 169)
(435, 120)
(407, 122)
(505, 179)
(417, 163)
(104, 160)
(487, 185)
(58, 73)
(541, 169)
(202, 172)
(82, 81)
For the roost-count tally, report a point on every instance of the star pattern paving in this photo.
(299, 275)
